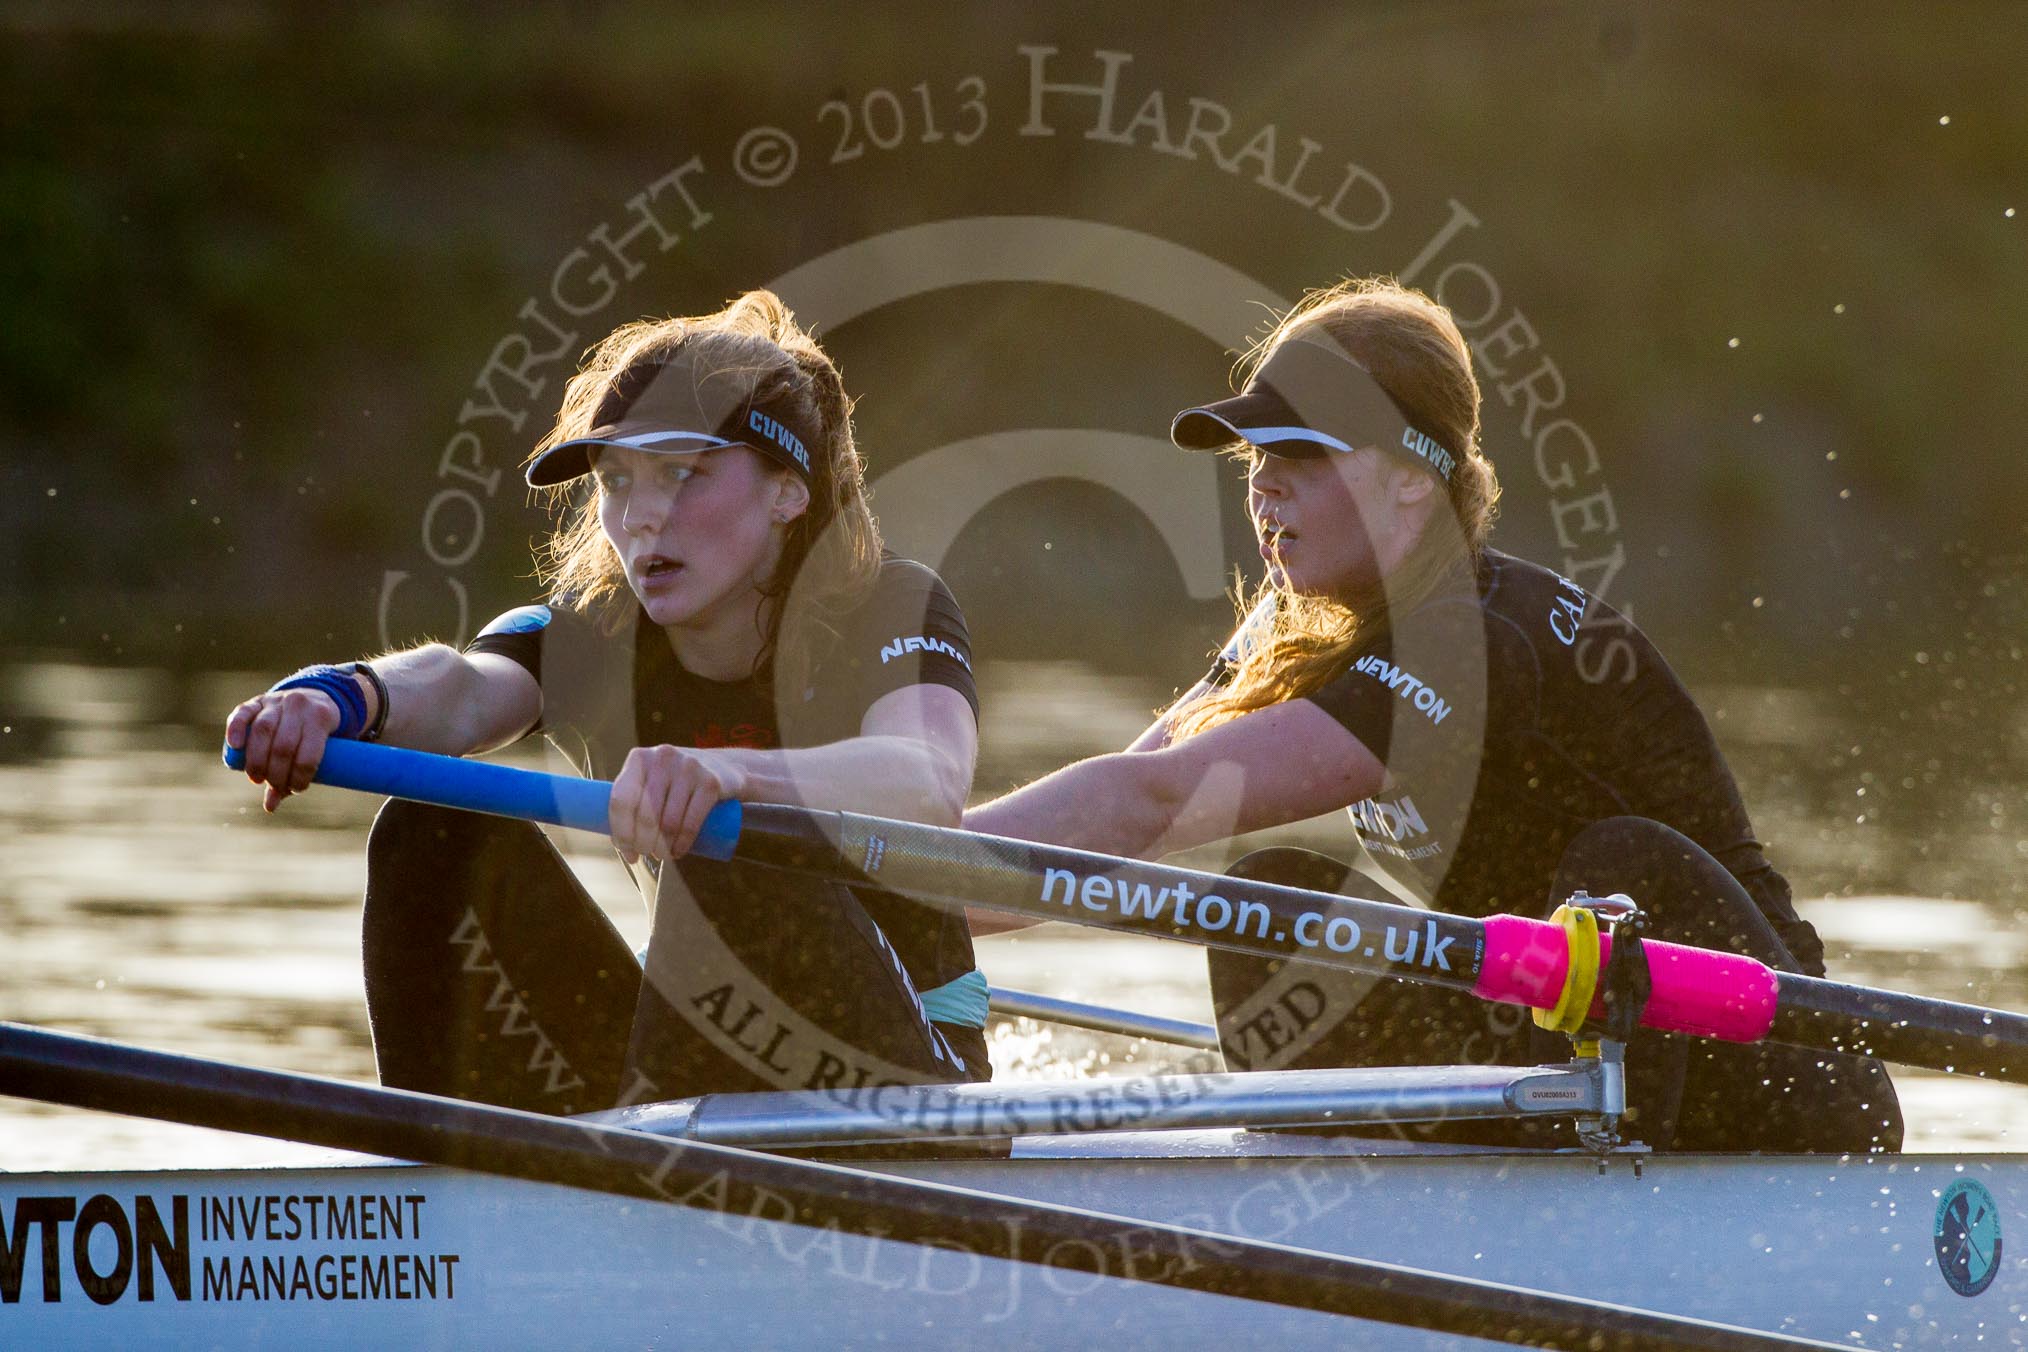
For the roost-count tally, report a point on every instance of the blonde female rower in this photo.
(1500, 738)
(721, 625)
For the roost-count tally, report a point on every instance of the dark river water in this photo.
(144, 896)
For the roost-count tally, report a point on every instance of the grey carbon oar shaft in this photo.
(1049, 882)
(87, 1072)
(1502, 957)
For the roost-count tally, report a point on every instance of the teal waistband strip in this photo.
(961, 1002)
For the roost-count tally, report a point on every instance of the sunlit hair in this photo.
(832, 551)
(1411, 346)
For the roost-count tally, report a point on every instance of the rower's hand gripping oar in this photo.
(585, 804)
(1506, 958)
(501, 790)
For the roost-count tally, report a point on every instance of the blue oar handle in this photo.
(478, 786)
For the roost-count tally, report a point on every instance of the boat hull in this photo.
(378, 1254)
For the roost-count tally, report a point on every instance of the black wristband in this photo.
(372, 734)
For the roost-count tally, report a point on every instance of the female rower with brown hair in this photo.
(722, 624)
(1501, 739)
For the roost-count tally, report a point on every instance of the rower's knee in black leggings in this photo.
(408, 846)
(1706, 1096)
(1713, 1095)
(490, 973)
(410, 838)
(427, 866)
(401, 825)
(1687, 896)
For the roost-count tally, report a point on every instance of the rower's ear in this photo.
(792, 497)
(1412, 484)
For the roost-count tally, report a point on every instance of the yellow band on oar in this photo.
(1580, 981)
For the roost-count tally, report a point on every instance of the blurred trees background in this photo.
(254, 258)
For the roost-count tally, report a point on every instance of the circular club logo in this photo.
(1968, 1237)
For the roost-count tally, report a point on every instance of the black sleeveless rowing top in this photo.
(1511, 714)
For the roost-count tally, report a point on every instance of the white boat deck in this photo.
(1837, 1248)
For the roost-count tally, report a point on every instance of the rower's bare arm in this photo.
(912, 760)
(1157, 734)
(1154, 738)
(1275, 765)
(439, 699)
